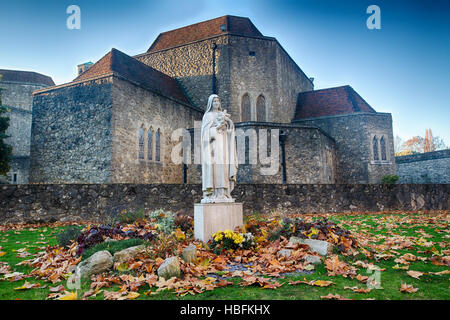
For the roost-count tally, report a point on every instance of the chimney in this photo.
(84, 67)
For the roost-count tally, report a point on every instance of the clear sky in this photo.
(403, 68)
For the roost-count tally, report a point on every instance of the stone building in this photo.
(17, 88)
(117, 121)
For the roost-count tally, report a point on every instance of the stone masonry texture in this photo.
(17, 98)
(353, 134)
(429, 167)
(70, 202)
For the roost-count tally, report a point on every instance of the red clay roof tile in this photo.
(203, 30)
(135, 71)
(328, 102)
(26, 76)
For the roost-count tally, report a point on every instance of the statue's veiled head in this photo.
(214, 103)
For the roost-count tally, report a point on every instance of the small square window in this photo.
(252, 53)
(223, 27)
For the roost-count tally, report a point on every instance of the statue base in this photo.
(212, 217)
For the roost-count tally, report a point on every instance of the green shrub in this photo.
(389, 179)
(131, 216)
(65, 237)
(112, 246)
(163, 220)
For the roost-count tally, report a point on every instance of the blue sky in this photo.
(404, 68)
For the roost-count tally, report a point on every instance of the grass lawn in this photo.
(383, 233)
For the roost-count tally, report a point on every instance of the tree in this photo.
(5, 149)
(439, 143)
(415, 144)
(428, 145)
(398, 142)
(419, 144)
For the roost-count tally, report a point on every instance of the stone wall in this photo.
(18, 98)
(134, 107)
(353, 134)
(191, 65)
(309, 155)
(269, 71)
(430, 167)
(35, 202)
(71, 133)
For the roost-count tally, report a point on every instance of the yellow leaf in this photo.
(122, 267)
(179, 234)
(132, 296)
(322, 283)
(313, 232)
(69, 296)
(2, 253)
(28, 285)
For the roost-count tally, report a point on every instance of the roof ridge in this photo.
(26, 77)
(323, 89)
(204, 29)
(129, 68)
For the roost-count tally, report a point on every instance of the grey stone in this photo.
(128, 253)
(285, 252)
(190, 254)
(169, 268)
(99, 262)
(313, 259)
(321, 247)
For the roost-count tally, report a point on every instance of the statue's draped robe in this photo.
(218, 152)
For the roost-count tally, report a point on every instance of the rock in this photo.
(128, 253)
(108, 239)
(321, 247)
(97, 263)
(313, 259)
(285, 252)
(190, 254)
(169, 268)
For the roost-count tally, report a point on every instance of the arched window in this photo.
(141, 143)
(245, 108)
(383, 148)
(150, 144)
(375, 148)
(261, 108)
(158, 146)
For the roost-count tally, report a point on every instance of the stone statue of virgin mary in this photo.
(218, 153)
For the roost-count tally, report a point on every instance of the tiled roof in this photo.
(205, 29)
(329, 102)
(26, 76)
(135, 71)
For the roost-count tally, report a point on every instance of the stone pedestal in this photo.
(212, 217)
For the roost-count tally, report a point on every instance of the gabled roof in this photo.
(202, 30)
(120, 64)
(329, 102)
(26, 76)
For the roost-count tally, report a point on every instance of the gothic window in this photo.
(158, 146)
(261, 108)
(141, 143)
(245, 108)
(383, 148)
(150, 144)
(375, 148)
